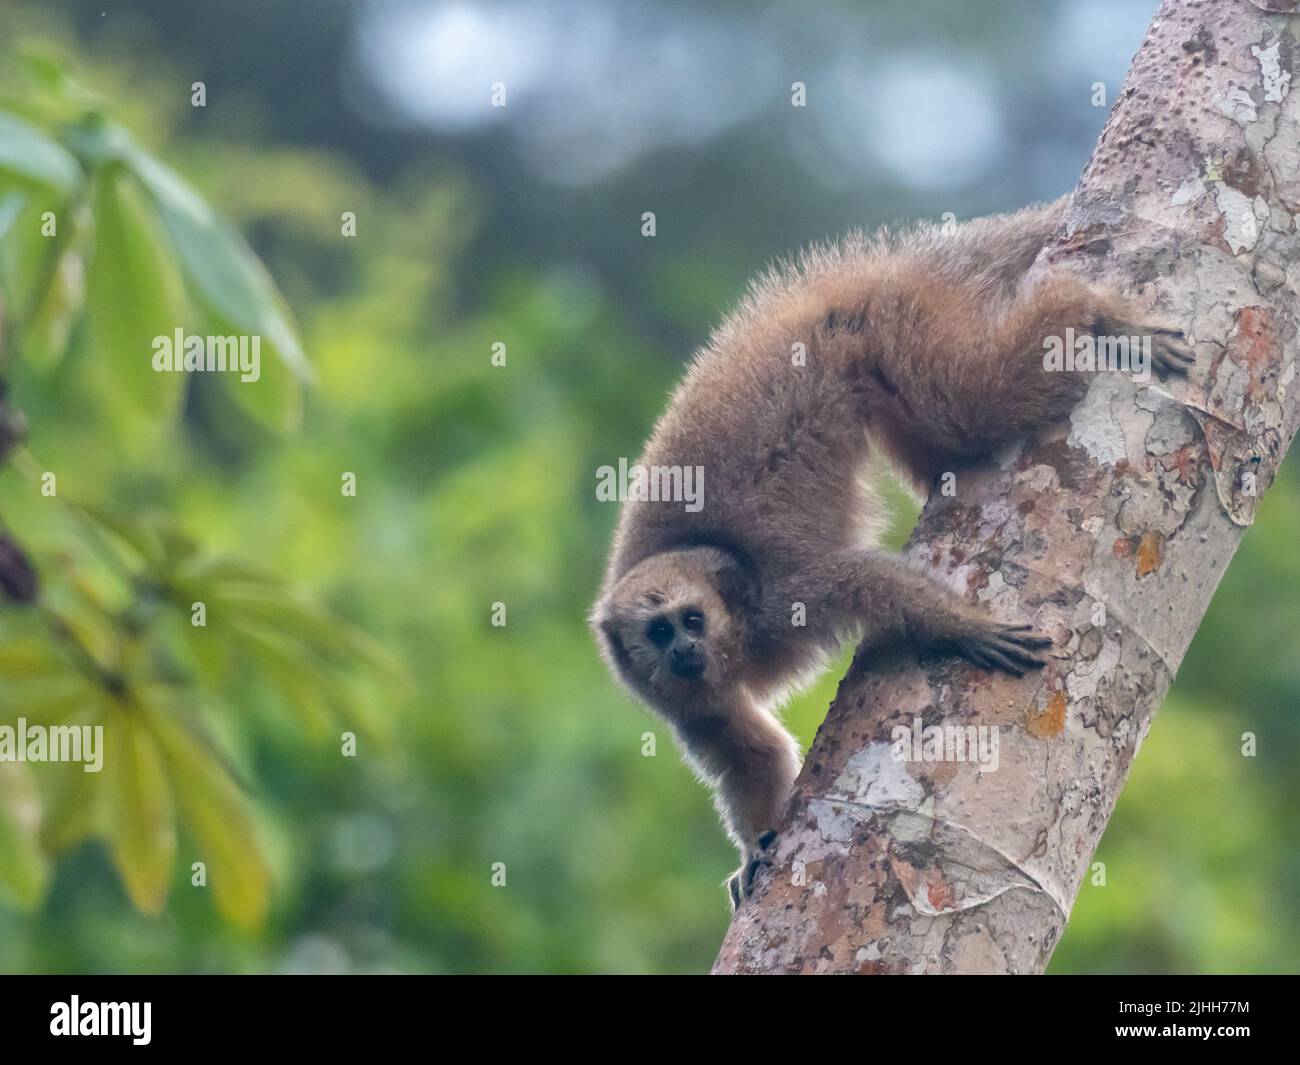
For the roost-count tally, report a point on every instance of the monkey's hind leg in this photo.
(973, 375)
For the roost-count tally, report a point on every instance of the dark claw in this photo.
(1009, 648)
(1170, 353)
(751, 870)
(740, 885)
(1006, 664)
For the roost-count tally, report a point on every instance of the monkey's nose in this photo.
(686, 661)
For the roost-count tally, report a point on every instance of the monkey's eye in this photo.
(660, 631)
(693, 621)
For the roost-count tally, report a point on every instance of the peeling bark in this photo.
(1110, 534)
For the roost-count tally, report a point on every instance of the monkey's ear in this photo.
(617, 651)
(734, 582)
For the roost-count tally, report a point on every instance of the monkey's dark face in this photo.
(680, 639)
(667, 630)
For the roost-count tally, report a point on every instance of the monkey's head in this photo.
(673, 626)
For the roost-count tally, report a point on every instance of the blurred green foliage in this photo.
(124, 646)
(475, 486)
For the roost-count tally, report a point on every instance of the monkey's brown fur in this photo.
(929, 346)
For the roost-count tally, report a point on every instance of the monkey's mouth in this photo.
(687, 668)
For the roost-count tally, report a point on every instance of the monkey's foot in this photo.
(1170, 352)
(740, 885)
(1010, 648)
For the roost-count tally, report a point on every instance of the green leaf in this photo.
(215, 811)
(24, 872)
(46, 69)
(302, 684)
(26, 248)
(30, 154)
(204, 571)
(275, 399)
(135, 296)
(209, 655)
(234, 287)
(134, 533)
(77, 810)
(11, 206)
(178, 546)
(45, 337)
(307, 622)
(50, 70)
(142, 818)
(30, 657)
(52, 701)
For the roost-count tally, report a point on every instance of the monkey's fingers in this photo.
(1023, 636)
(998, 664)
(740, 885)
(755, 863)
(1010, 648)
(1170, 352)
(1013, 632)
(733, 890)
(993, 661)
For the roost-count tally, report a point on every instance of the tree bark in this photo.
(1109, 533)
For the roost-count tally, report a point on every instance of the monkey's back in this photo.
(782, 448)
(779, 408)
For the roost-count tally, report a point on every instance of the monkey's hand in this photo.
(740, 885)
(1170, 352)
(992, 645)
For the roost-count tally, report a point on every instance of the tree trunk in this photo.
(1109, 533)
